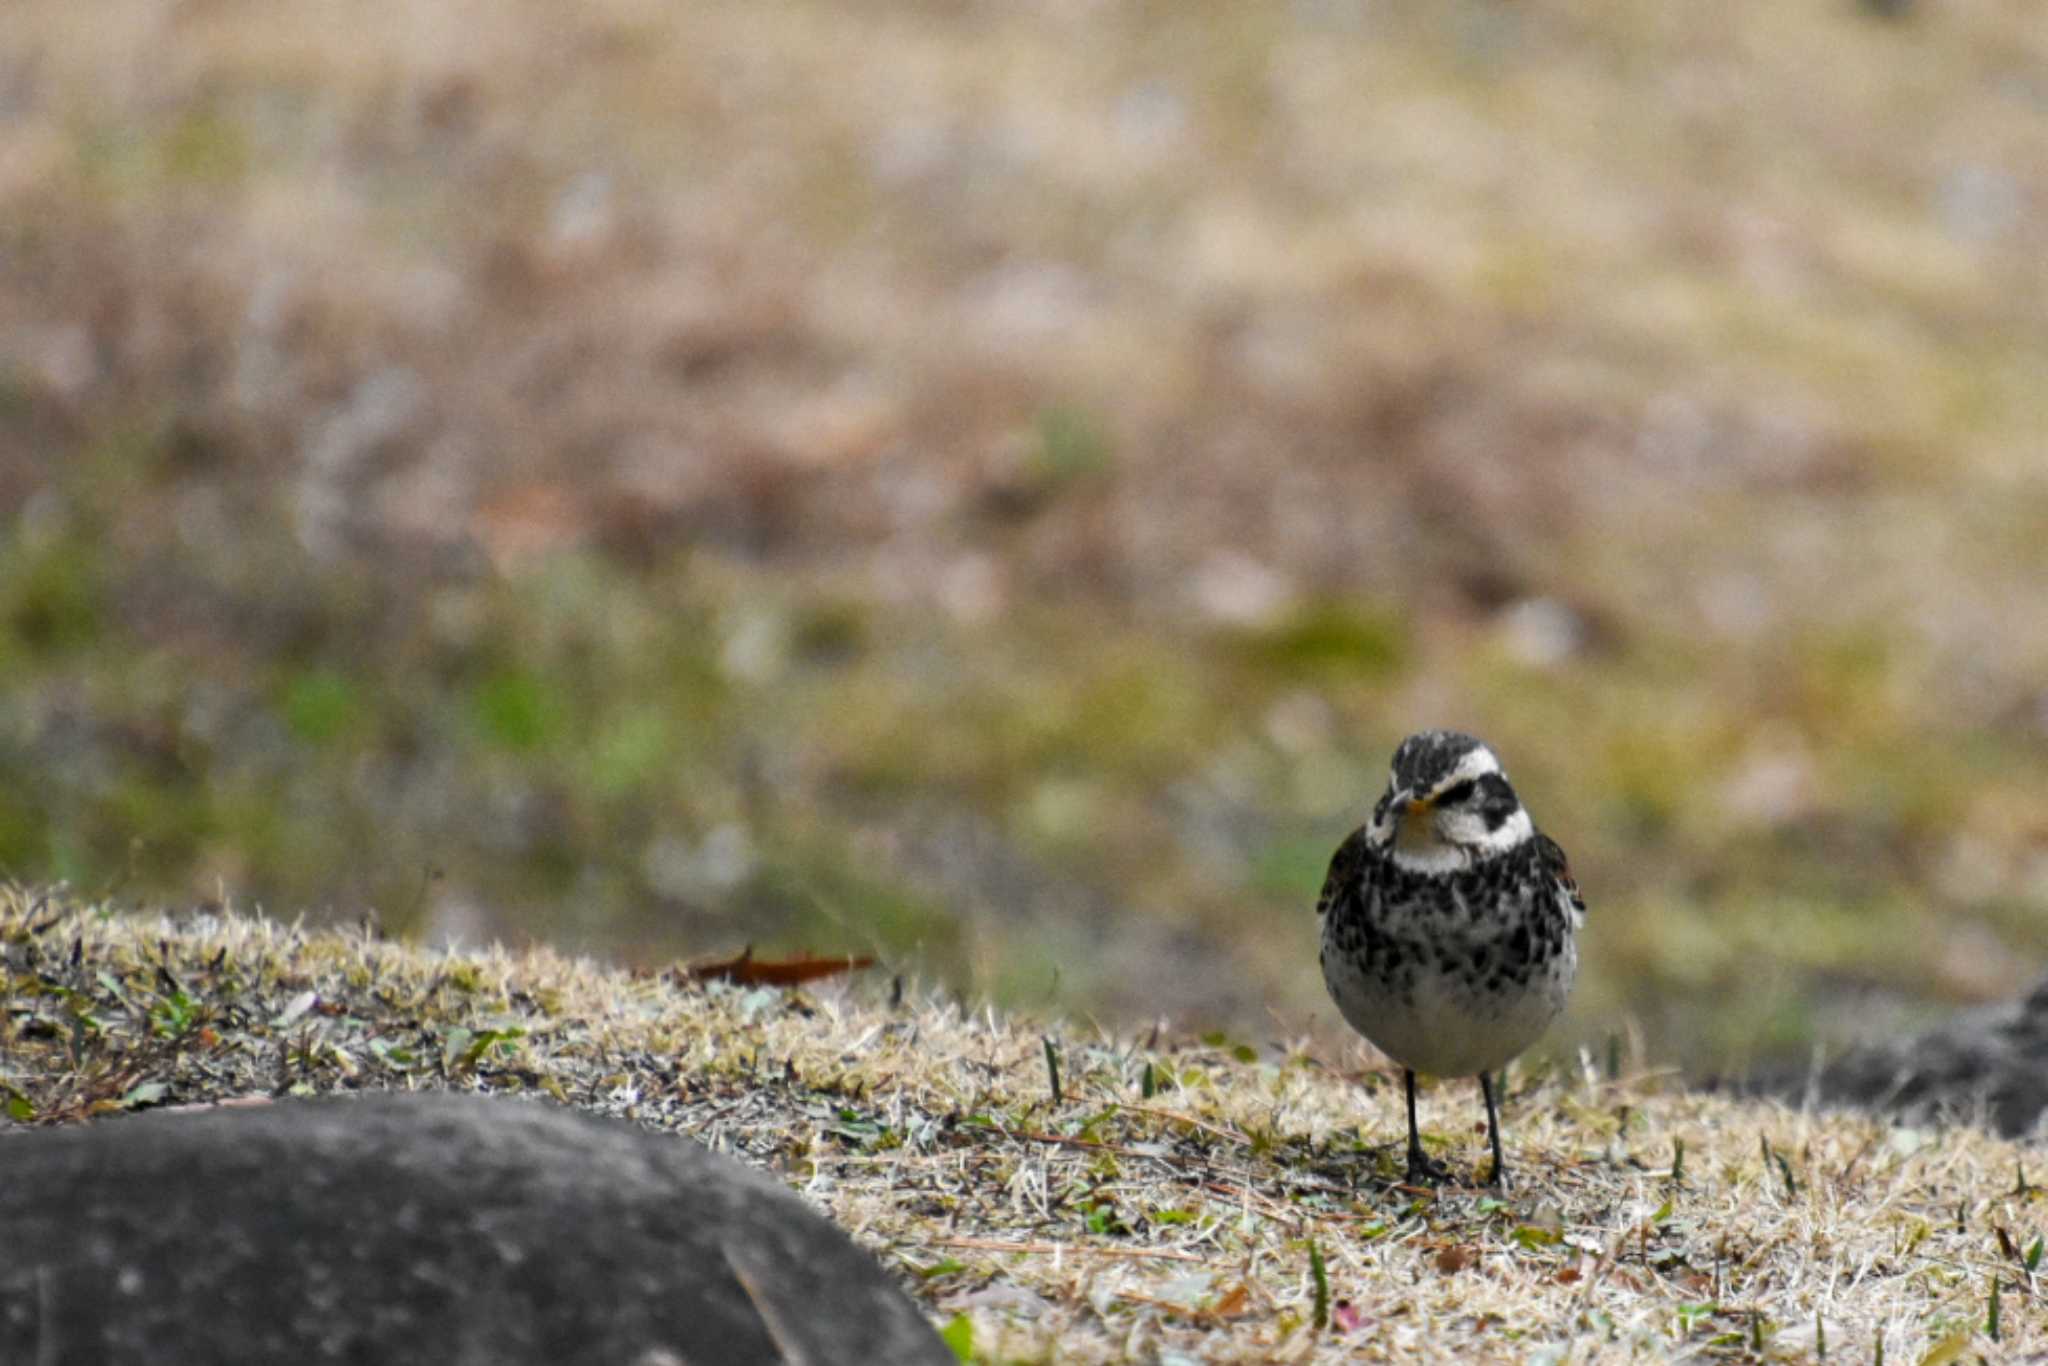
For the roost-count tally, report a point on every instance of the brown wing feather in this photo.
(1554, 861)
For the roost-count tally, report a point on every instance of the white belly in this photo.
(1446, 1024)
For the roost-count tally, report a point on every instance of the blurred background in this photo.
(988, 484)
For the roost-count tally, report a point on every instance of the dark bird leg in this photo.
(1421, 1170)
(1500, 1166)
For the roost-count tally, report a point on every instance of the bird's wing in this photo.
(1343, 874)
(1554, 862)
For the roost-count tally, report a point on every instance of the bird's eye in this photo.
(1457, 792)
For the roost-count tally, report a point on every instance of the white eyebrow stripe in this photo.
(1476, 764)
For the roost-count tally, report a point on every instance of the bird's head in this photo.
(1448, 805)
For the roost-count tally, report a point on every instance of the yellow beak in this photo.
(1413, 826)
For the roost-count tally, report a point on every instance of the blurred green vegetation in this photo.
(695, 751)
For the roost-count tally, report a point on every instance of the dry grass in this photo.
(1110, 1224)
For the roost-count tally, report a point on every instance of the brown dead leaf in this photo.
(1233, 1303)
(748, 970)
(1455, 1258)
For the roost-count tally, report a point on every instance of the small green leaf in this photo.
(1104, 1221)
(146, 1093)
(517, 711)
(485, 1039)
(19, 1108)
(1771, 1155)
(391, 1055)
(319, 706)
(949, 1267)
(1321, 1276)
(958, 1334)
(463, 977)
(174, 1015)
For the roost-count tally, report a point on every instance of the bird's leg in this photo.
(1421, 1170)
(1500, 1166)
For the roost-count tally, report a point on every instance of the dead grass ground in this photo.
(1171, 1203)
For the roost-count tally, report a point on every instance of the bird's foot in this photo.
(1424, 1170)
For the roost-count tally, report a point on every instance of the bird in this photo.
(1449, 925)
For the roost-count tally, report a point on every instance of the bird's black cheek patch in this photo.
(1497, 801)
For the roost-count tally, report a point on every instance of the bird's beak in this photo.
(1412, 825)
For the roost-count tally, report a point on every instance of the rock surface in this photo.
(1992, 1060)
(440, 1229)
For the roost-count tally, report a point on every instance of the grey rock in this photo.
(1990, 1061)
(440, 1229)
